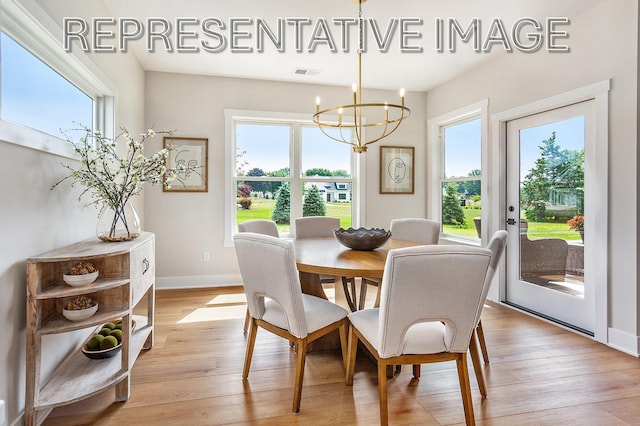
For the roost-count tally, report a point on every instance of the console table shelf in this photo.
(63, 290)
(127, 279)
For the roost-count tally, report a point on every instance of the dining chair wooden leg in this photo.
(416, 371)
(253, 330)
(343, 342)
(349, 286)
(247, 318)
(363, 293)
(477, 366)
(300, 361)
(376, 304)
(389, 371)
(465, 388)
(351, 361)
(382, 392)
(483, 344)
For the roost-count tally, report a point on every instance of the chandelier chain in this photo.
(380, 119)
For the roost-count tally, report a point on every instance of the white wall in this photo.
(34, 219)
(186, 224)
(604, 44)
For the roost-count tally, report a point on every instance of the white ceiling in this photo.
(390, 70)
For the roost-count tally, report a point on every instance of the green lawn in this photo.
(469, 229)
(262, 208)
(555, 230)
(536, 229)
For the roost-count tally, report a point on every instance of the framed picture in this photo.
(396, 169)
(193, 154)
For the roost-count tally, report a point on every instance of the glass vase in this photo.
(119, 223)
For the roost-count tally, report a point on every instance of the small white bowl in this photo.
(79, 314)
(80, 280)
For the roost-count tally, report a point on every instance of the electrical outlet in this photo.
(206, 256)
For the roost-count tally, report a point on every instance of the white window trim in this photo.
(232, 115)
(435, 148)
(27, 23)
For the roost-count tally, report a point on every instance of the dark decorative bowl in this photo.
(101, 354)
(362, 238)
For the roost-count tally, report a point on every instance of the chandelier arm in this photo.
(322, 129)
(385, 135)
(344, 139)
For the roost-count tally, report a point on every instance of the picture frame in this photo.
(194, 154)
(397, 169)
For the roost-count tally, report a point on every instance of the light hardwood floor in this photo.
(539, 374)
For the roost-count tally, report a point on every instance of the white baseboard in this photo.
(19, 421)
(201, 281)
(624, 342)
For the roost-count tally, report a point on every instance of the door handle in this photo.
(511, 221)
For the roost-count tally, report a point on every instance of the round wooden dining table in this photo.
(326, 256)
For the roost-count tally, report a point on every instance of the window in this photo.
(458, 145)
(44, 89)
(36, 96)
(280, 167)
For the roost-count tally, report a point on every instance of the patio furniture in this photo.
(542, 259)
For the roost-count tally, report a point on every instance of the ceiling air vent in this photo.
(306, 71)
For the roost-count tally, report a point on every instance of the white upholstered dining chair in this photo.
(428, 310)
(316, 226)
(277, 304)
(259, 226)
(410, 229)
(497, 246)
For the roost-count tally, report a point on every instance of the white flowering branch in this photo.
(111, 180)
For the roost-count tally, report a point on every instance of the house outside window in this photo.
(280, 166)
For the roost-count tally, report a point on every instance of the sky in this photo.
(462, 144)
(569, 135)
(462, 148)
(36, 96)
(267, 148)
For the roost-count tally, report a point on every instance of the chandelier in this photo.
(379, 119)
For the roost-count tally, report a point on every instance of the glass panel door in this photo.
(546, 273)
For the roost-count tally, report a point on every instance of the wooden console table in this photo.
(126, 278)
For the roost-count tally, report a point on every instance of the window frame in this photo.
(37, 37)
(296, 179)
(435, 126)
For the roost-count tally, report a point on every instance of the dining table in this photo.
(326, 256)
